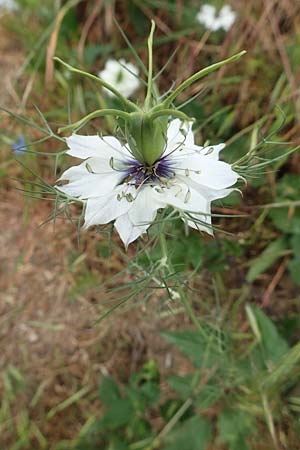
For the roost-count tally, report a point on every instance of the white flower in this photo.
(117, 187)
(227, 17)
(208, 17)
(122, 75)
(8, 5)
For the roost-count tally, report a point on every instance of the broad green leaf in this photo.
(108, 391)
(118, 414)
(295, 244)
(234, 427)
(187, 386)
(273, 345)
(183, 385)
(294, 269)
(208, 396)
(144, 387)
(286, 220)
(204, 352)
(142, 396)
(268, 257)
(287, 370)
(193, 434)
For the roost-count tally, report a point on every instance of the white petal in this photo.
(145, 206)
(127, 231)
(102, 210)
(227, 17)
(179, 135)
(139, 217)
(207, 192)
(182, 197)
(208, 172)
(95, 146)
(207, 16)
(211, 151)
(90, 186)
(192, 202)
(92, 178)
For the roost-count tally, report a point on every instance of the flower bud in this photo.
(146, 136)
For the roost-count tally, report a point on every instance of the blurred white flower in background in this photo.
(210, 19)
(117, 187)
(8, 5)
(122, 75)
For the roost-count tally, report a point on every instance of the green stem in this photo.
(93, 115)
(150, 65)
(163, 246)
(170, 112)
(172, 422)
(199, 75)
(127, 103)
(180, 290)
(103, 105)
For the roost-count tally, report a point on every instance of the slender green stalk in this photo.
(183, 296)
(169, 112)
(163, 246)
(127, 103)
(99, 113)
(199, 75)
(172, 422)
(150, 66)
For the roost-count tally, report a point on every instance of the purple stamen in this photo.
(137, 173)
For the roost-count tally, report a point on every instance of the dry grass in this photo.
(51, 338)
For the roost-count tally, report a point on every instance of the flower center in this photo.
(138, 174)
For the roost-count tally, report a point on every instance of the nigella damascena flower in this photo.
(122, 75)
(118, 187)
(19, 146)
(214, 21)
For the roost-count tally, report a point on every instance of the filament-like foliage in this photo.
(254, 162)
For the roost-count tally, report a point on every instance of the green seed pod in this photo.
(146, 137)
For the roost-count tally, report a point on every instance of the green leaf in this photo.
(108, 391)
(187, 385)
(169, 408)
(285, 221)
(144, 388)
(234, 428)
(208, 396)
(294, 269)
(183, 385)
(138, 20)
(193, 434)
(142, 397)
(120, 413)
(295, 244)
(204, 352)
(273, 345)
(286, 371)
(268, 257)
